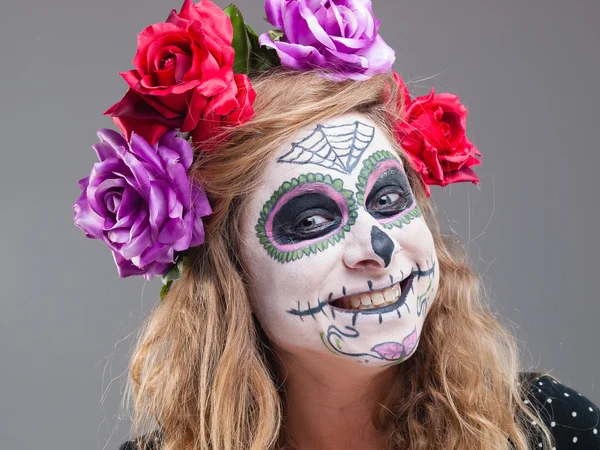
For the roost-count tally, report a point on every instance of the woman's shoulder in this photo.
(572, 419)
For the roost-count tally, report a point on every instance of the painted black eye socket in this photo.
(388, 201)
(390, 195)
(312, 223)
(307, 216)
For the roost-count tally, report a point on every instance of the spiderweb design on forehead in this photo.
(337, 147)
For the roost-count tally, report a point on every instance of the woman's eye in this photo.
(388, 199)
(313, 221)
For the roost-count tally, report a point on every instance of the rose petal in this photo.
(155, 253)
(104, 150)
(274, 10)
(349, 45)
(430, 155)
(177, 145)
(141, 222)
(334, 23)
(181, 186)
(144, 151)
(147, 37)
(175, 208)
(112, 138)
(125, 267)
(212, 18)
(353, 26)
(381, 57)
(134, 113)
(137, 245)
(186, 239)
(315, 27)
(118, 235)
(464, 175)
(172, 231)
(157, 208)
(86, 219)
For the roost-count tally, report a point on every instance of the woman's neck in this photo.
(330, 403)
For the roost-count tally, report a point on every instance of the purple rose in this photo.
(139, 200)
(339, 35)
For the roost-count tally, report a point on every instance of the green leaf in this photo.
(174, 273)
(251, 33)
(165, 289)
(276, 35)
(261, 58)
(241, 43)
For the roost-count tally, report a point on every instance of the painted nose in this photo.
(370, 249)
(382, 244)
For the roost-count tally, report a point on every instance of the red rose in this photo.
(433, 134)
(183, 74)
(244, 98)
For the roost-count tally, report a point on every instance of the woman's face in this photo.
(339, 255)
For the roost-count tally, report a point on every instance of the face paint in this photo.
(333, 147)
(305, 215)
(382, 178)
(339, 255)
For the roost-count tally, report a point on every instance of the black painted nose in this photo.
(382, 244)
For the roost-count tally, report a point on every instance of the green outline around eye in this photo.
(261, 230)
(369, 165)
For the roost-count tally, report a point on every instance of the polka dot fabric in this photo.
(573, 420)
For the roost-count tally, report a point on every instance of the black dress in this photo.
(573, 420)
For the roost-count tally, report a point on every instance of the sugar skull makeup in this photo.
(339, 255)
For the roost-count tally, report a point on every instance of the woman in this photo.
(310, 300)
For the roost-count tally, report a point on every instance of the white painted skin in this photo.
(351, 263)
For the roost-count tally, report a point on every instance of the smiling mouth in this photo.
(375, 300)
(399, 293)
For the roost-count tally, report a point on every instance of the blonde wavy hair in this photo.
(202, 371)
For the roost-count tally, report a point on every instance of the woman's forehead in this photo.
(337, 147)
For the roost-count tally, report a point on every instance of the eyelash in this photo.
(299, 228)
(395, 207)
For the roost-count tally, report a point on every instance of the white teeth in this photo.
(388, 294)
(372, 299)
(365, 299)
(377, 298)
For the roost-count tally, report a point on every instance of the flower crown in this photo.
(191, 81)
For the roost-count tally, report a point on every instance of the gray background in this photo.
(528, 71)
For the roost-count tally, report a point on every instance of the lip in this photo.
(320, 307)
(406, 285)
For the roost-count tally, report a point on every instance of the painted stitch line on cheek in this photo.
(329, 191)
